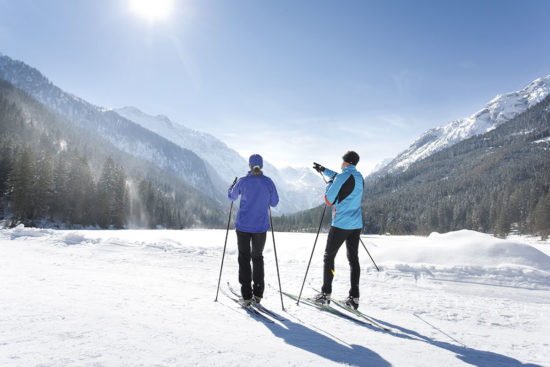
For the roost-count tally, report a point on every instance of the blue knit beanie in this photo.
(255, 160)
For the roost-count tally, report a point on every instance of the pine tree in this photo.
(121, 199)
(5, 167)
(44, 186)
(60, 203)
(542, 217)
(503, 224)
(106, 191)
(21, 182)
(80, 191)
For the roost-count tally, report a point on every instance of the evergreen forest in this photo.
(54, 172)
(497, 182)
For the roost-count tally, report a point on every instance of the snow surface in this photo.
(146, 298)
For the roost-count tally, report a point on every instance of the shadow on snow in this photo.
(302, 337)
(475, 357)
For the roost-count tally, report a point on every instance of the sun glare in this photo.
(152, 10)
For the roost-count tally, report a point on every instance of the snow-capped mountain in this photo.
(501, 109)
(199, 158)
(305, 180)
(299, 188)
(225, 161)
(126, 135)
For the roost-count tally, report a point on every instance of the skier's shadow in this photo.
(475, 357)
(312, 341)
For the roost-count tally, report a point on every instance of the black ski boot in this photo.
(352, 302)
(322, 298)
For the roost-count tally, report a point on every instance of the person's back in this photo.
(344, 191)
(346, 194)
(257, 194)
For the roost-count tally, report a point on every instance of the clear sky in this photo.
(296, 81)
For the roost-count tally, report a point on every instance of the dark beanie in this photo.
(351, 157)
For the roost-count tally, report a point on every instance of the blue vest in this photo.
(345, 194)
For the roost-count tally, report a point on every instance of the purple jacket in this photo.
(257, 194)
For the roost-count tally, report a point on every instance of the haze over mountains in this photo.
(200, 159)
(463, 175)
(301, 186)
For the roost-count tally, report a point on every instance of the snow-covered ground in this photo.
(146, 298)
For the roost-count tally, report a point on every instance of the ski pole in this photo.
(276, 261)
(315, 243)
(225, 244)
(365, 247)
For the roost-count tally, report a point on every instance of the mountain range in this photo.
(468, 173)
(198, 158)
(489, 172)
(299, 188)
(501, 109)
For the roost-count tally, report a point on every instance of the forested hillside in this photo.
(494, 182)
(52, 171)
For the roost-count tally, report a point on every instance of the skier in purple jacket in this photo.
(257, 193)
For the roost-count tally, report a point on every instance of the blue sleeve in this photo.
(329, 173)
(334, 187)
(274, 199)
(234, 192)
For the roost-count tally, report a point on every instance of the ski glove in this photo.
(318, 167)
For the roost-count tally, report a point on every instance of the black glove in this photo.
(234, 182)
(318, 167)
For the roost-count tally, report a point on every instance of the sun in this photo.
(152, 10)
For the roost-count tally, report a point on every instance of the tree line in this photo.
(37, 187)
(496, 183)
(53, 172)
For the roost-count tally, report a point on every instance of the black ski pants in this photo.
(246, 253)
(336, 238)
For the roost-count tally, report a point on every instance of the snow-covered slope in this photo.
(199, 158)
(146, 298)
(299, 188)
(123, 133)
(227, 162)
(501, 109)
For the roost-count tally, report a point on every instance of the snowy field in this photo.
(146, 298)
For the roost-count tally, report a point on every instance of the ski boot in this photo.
(322, 298)
(352, 302)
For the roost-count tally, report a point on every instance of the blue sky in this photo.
(296, 81)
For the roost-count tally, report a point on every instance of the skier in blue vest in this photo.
(344, 191)
(257, 193)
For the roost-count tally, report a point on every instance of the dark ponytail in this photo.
(256, 170)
